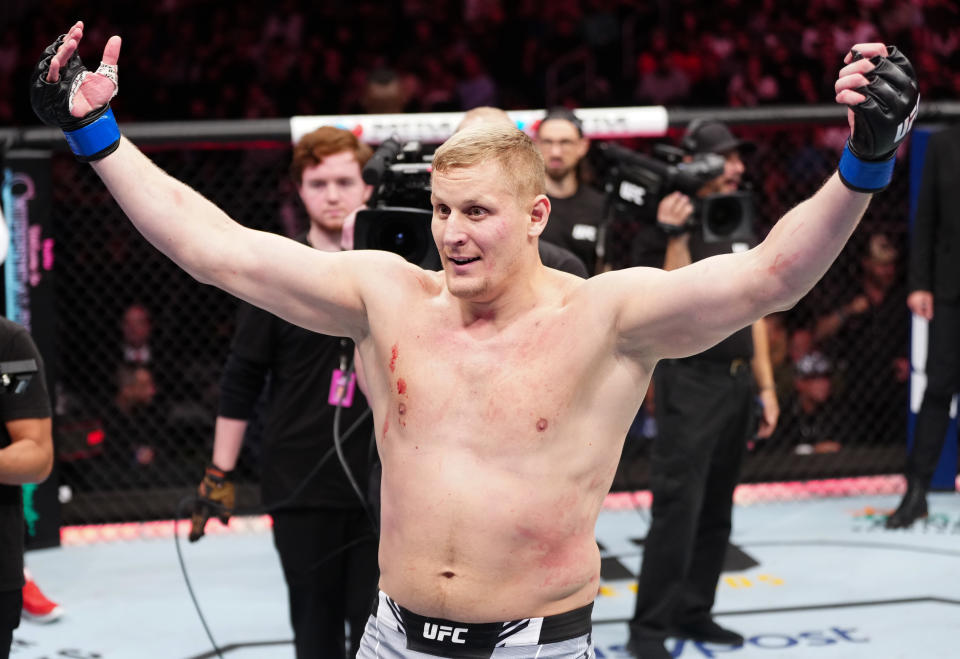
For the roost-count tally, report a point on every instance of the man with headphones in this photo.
(705, 411)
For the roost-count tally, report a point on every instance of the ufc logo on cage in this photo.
(441, 632)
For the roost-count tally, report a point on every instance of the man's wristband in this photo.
(96, 140)
(865, 175)
(673, 229)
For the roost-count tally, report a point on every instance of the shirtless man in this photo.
(502, 390)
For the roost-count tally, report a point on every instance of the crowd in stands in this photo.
(199, 59)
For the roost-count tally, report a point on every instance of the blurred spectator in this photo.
(135, 328)
(383, 93)
(661, 83)
(867, 335)
(476, 86)
(133, 429)
(811, 421)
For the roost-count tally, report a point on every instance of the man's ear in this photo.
(367, 191)
(583, 148)
(539, 215)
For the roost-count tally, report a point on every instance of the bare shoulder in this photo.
(615, 287)
(388, 277)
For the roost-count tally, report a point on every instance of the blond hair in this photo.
(518, 157)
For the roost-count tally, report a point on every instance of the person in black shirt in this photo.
(576, 209)
(326, 542)
(705, 416)
(551, 255)
(26, 456)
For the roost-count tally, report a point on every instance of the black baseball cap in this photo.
(813, 365)
(713, 137)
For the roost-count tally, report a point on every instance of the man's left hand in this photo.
(770, 415)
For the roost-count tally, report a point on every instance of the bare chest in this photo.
(524, 380)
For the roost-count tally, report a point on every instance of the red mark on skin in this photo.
(393, 357)
(781, 263)
(386, 425)
(402, 409)
(401, 386)
(541, 424)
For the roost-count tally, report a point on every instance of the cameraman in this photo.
(26, 456)
(705, 416)
(327, 545)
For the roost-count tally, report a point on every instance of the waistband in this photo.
(471, 639)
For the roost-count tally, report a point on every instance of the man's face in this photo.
(729, 181)
(816, 388)
(480, 229)
(136, 326)
(142, 389)
(879, 272)
(332, 189)
(561, 146)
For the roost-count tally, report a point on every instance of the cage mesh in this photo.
(134, 432)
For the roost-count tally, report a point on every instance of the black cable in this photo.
(186, 577)
(337, 449)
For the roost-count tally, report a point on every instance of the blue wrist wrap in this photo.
(95, 140)
(865, 175)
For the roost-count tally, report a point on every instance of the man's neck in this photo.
(562, 188)
(325, 241)
(519, 297)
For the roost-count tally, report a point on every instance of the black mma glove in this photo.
(92, 136)
(880, 123)
(215, 497)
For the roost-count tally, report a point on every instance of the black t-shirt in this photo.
(34, 403)
(649, 249)
(575, 224)
(297, 415)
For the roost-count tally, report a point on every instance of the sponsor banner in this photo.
(435, 127)
(29, 300)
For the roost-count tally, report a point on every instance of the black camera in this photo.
(15, 376)
(399, 213)
(635, 183)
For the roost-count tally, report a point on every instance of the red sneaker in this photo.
(36, 606)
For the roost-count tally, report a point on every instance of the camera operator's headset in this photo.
(337, 448)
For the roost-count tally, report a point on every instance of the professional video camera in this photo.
(16, 375)
(635, 184)
(399, 213)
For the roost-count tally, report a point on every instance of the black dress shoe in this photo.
(707, 631)
(645, 647)
(912, 507)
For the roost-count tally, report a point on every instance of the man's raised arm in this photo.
(681, 312)
(306, 286)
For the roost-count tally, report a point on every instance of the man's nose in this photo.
(453, 230)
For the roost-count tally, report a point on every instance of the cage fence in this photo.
(141, 344)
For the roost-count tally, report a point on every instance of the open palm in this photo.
(96, 90)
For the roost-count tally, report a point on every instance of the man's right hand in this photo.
(63, 93)
(216, 496)
(921, 303)
(675, 209)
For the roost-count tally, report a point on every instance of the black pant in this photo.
(943, 380)
(705, 415)
(11, 603)
(327, 584)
